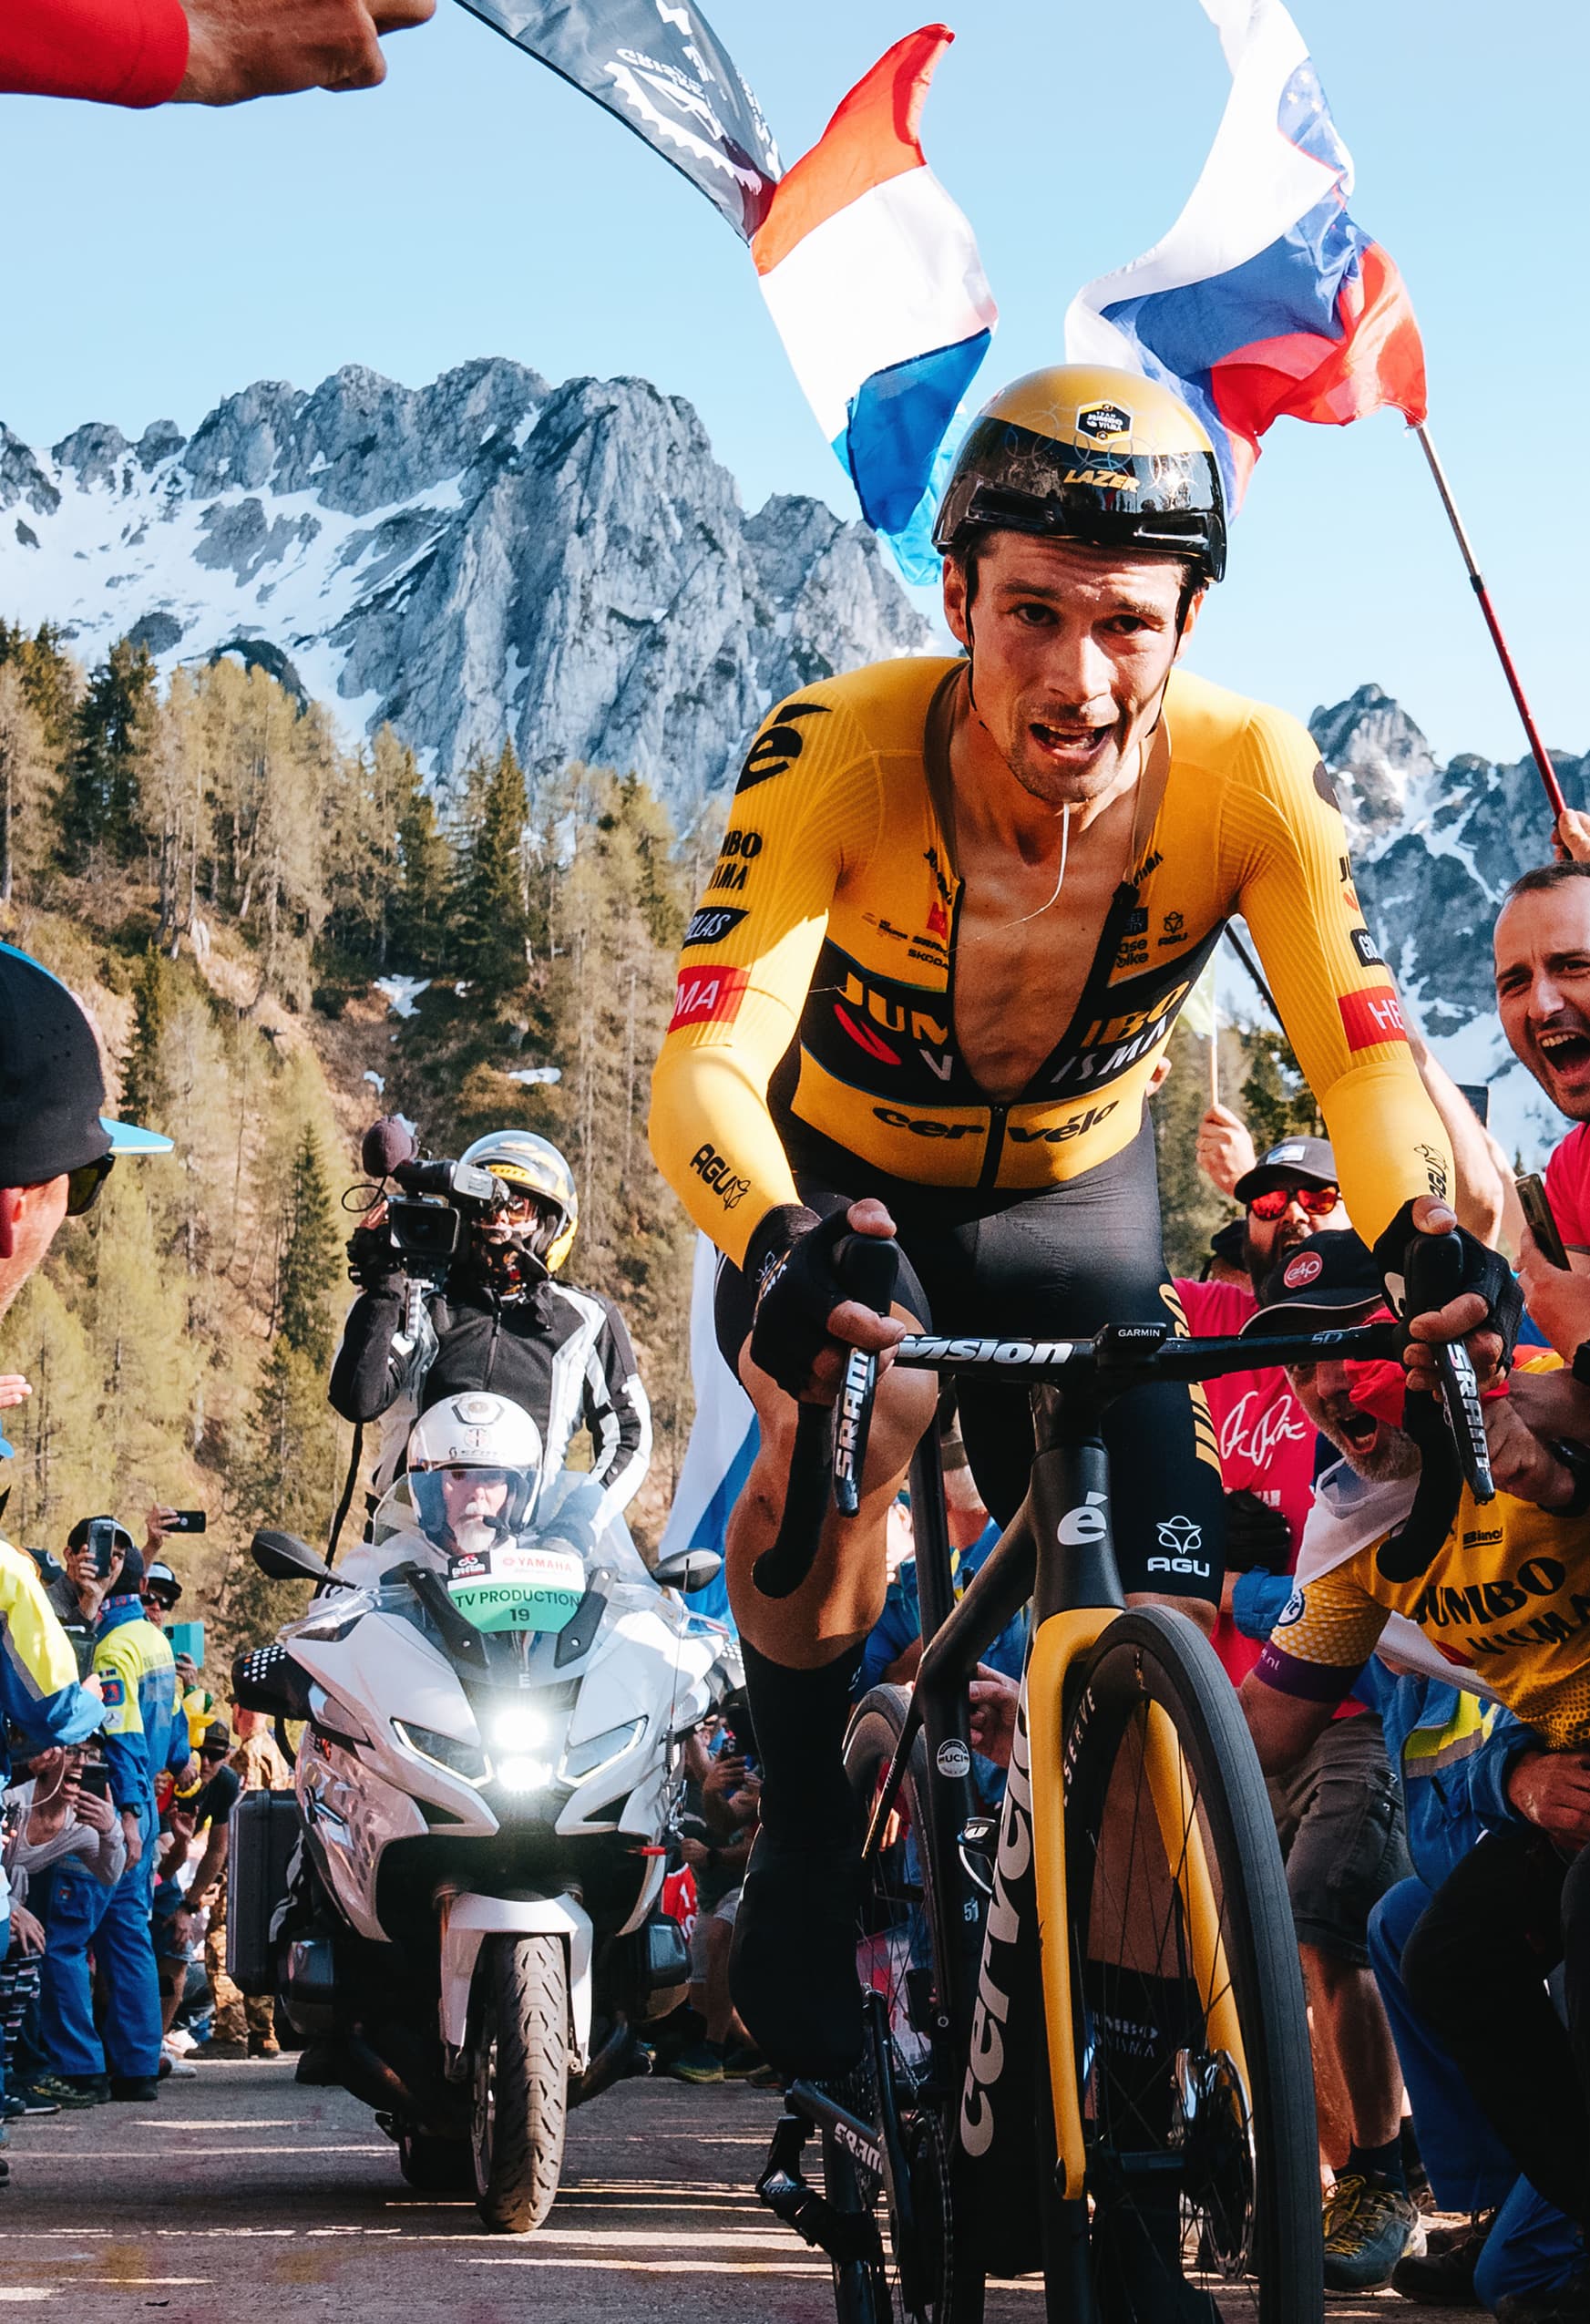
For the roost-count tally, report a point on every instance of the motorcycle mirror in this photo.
(284, 1557)
(689, 1571)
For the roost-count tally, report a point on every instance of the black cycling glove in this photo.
(1424, 1271)
(1256, 1536)
(801, 1286)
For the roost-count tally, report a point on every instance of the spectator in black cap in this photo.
(57, 1148)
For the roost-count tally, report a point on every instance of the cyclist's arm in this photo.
(747, 962)
(1326, 1634)
(1334, 992)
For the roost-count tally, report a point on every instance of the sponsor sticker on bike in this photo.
(952, 1758)
(518, 1586)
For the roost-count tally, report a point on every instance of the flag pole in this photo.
(1538, 751)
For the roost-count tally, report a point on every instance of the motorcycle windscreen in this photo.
(518, 1586)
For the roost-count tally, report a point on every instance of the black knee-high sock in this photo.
(800, 1718)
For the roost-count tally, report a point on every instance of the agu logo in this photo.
(1181, 1535)
(1307, 1268)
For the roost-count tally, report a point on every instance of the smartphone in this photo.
(1537, 1211)
(188, 1521)
(96, 1778)
(101, 1546)
(187, 1638)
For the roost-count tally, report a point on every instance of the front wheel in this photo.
(521, 2079)
(1191, 2037)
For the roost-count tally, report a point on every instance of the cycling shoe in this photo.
(792, 1965)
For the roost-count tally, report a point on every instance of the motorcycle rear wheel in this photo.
(521, 2079)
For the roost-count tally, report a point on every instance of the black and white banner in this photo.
(660, 67)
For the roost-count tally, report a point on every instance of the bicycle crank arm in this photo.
(845, 2236)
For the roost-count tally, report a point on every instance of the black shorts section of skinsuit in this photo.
(1058, 1263)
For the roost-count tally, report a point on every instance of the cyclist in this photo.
(956, 910)
(500, 1323)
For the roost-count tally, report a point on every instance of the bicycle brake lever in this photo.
(870, 1265)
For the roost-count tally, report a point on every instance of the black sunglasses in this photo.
(214, 1751)
(83, 1185)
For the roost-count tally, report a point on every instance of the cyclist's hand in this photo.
(1255, 1535)
(1225, 1150)
(1521, 1465)
(993, 1714)
(1551, 1788)
(1484, 1314)
(806, 1322)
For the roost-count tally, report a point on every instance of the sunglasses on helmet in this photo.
(83, 1185)
(1319, 1202)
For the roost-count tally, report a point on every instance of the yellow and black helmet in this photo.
(532, 1164)
(1085, 453)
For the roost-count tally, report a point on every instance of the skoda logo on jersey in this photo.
(1307, 1268)
(1098, 422)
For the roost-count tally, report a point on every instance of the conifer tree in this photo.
(1276, 1102)
(308, 1261)
(419, 931)
(491, 907)
(145, 1089)
(101, 804)
(25, 781)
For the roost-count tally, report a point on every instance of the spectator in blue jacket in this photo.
(145, 1733)
(1468, 1767)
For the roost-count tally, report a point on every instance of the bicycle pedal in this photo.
(844, 2236)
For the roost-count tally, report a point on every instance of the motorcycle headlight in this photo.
(464, 1759)
(522, 1775)
(518, 1730)
(584, 1759)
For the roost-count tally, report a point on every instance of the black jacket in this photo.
(564, 1356)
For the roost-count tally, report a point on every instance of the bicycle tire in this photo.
(1244, 2240)
(939, 2281)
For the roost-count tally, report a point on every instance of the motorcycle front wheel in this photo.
(521, 2079)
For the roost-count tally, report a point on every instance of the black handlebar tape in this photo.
(1407, 1552)
(780, 1571)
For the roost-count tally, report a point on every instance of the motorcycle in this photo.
(487, 1774)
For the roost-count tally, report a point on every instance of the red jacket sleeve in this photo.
(116, 52)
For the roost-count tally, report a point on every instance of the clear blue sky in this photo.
(475, 205)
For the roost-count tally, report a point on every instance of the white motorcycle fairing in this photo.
(468, 1920)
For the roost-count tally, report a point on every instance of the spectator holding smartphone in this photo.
(68, 1853)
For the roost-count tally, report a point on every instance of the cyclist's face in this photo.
(1071, 648)
(1542, 990)
(1268, 1239)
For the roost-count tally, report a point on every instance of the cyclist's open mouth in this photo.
(1073, 748)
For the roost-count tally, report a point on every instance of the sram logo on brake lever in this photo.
(853, 1421)
(1465, 1416)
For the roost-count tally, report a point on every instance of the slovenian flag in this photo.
(1264, 299)
(874, 281)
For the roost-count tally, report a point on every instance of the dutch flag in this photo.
(873, 278)
(1264, 299)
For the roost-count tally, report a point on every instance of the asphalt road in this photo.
(238, 2198)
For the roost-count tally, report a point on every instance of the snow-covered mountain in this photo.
(484, 557)
(1434, 849)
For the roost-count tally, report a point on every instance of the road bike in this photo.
(1086, 2047)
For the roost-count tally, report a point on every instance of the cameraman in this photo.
(496, 1321)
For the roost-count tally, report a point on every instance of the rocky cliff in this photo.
(484, 557)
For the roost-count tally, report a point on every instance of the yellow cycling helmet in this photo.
(1085, 453)
(533, 1164)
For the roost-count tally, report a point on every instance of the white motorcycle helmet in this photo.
(474, 1469)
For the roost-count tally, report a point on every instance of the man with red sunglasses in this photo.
(1267, 1444)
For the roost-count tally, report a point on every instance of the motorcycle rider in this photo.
(500, 1323)
(478, 1476)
